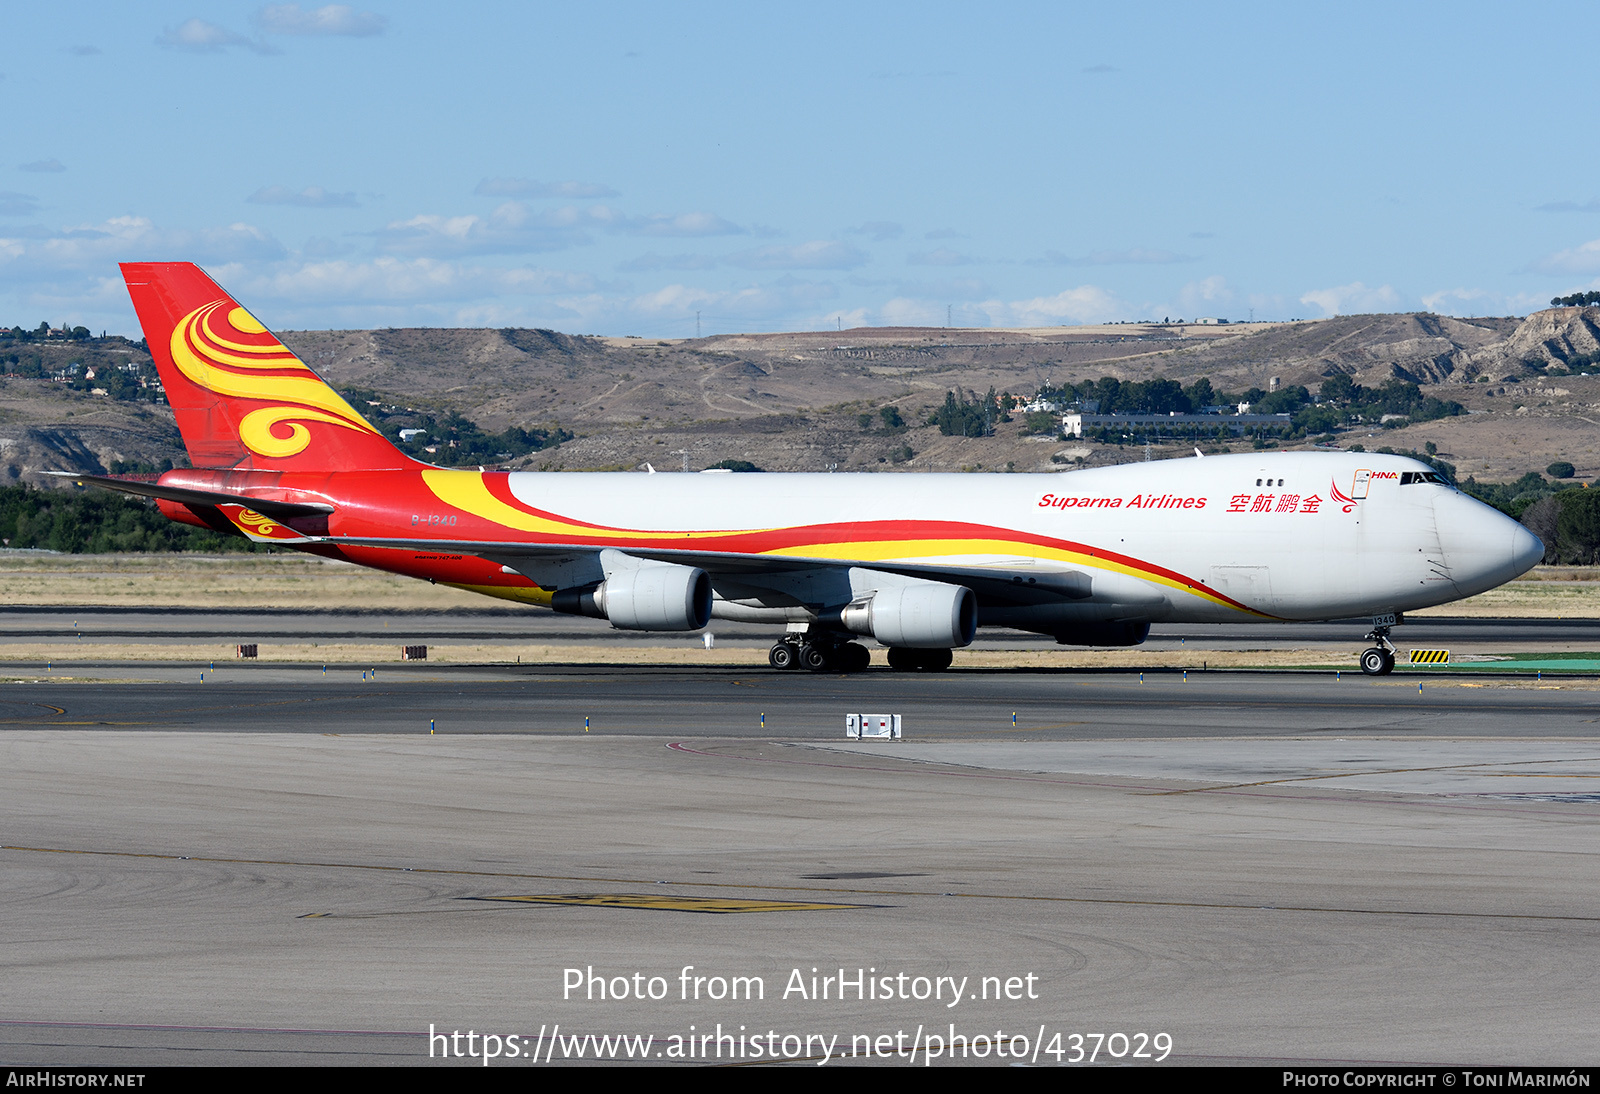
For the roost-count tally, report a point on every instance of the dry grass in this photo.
(226, 581)
(304, 581)
(1556, 592)
(679, 653)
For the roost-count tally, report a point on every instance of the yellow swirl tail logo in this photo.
(223, 348)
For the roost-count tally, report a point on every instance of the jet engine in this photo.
(653, 597)
(917, 614)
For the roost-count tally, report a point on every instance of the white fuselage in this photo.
(1275, 536)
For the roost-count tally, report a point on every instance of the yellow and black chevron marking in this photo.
(1430, 657)
(664, 903)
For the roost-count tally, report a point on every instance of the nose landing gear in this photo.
(1378, 660)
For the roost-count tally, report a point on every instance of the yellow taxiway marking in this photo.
(901, 893)
(667, 903)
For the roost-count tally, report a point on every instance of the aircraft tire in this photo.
(853, 657)
(781, 656)
(1376, 661)
(902, 660)
(936, 660)
(814, 658)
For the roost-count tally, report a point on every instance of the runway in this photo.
(526, 625)
(651, 701)
(277, 866)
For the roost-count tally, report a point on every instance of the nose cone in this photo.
(1527, 550)
(1483, 548)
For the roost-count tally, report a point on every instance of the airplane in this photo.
(916, 562)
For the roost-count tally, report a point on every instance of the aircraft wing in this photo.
(997, 585)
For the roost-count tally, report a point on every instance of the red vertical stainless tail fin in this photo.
(241, 398)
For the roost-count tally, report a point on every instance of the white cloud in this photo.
(839, 320)
(95, 248)
(1208, 293)
(1084, 304)
(1457, 301)
(673, 307)
(199, 36)
(819, 254)
(1583, 259)
(388, 280)
(1352, 299)
(514, 228)
(511, 229)
(532, 188)
(1465, 302)
(904, 311)
(43, 166)
(333, 19)
(311, 197)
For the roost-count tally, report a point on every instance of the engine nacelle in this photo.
(918, 615)
(1104, 634)
(653, 597)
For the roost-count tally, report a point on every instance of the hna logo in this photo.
(1386, 474)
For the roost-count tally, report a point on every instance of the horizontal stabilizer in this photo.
(277, 510)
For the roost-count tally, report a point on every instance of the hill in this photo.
(812, 400)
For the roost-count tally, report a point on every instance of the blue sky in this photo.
(617, 168)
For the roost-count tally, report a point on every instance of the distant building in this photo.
(1074, 424)
(1211, 322)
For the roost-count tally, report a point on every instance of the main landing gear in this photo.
(819, 653)
(1378, 660)
(827, 652)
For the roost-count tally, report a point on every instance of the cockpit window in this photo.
(1409, 477)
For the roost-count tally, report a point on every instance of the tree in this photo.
(1578, 526)
(1201, 394)
(959, 419)
(1540, 518)
(1561, 469)
(1340, 388)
